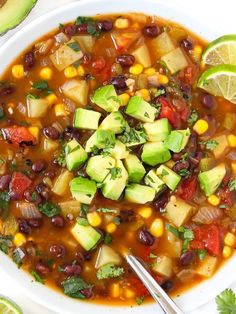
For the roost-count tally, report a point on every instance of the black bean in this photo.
(161, 202)
(87, 293)
(35, 223)
(57, 250)
(71, 270)
(180, 165)
(126, 215)
(186, 44)
(42, 269)
(67, 133)
(208, 102)
(70, 30)
(43, 191)
(105, 25)
(187, 258)
(177, 156)
(125, 60)
(151, 31)
(4, 182)
(29, 60)
(82, 28)
(24, 226)
(51, 132)
(192, 144)
(167, 285)
(76, 134)
(87, 256)
(146, 238)
(6, 90)
(58, 221)
(79, 256)
(119, 83)
(38, 166)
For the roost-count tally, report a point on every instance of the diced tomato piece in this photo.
(145, 253)
(99, 63)
(189, 74)
(105, 74)
(187, 188)
(18, 135)
(228, 197)
(167, 111)
(185, 113)
(138, 287)
(18, 185)
(207, 237)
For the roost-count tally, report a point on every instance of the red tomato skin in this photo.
(18, 135)
(168, 112)
(187, 188)
(18, 185)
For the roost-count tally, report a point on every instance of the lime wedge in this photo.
(9, 307)
(220, 81)
(221, 51)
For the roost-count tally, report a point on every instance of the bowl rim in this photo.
(53, 300)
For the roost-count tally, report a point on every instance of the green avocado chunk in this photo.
(158, 130)
(210, 180)
(114, 122)
(155, 153)
(83, 189)
(132, 137)
(140, 109)
(106, 98)
(154, 181)
(119, 151)
(168, 176)
(13, 12)
(86, 119)
(75, 155)
(177, 140)
(98, 167)
(140, 194)
(87, 236)
(100, 139)
(135, 168)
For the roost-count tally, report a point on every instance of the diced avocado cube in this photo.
(210, 180)
(100, 139)
(140, 194)
(152, 180)
(158, 130)
(163, 266)
(119, 151)
(175, 60)
(207, 163)
(177, 140)
(115, 182)
(168, 176)
(135, 168)
(221, 146)
(87, 236)
(162, 44)
(86, 119)
(155, 153)
(207, 267)
(98, 167)
(75, 155)
(114, 122)
(142, 56)
(132, 137)
(178, 211)
(106, 98)
(83, 189)
(140, 109)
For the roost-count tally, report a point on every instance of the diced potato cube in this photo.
(107, 255)
(162, 44)
(142, 56)
(207, 266)
(37, 108)
(86, 42)
(178, 211)
(76, 90)
(163, 266)
(174, 244)
(61, 185)
(49, 145)
(175, 60)
(70, 207)
(221, 147)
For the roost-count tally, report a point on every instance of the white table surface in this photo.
(8, 286)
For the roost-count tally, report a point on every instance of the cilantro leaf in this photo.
(84, 210)
(193, 117)
(187, 235)
(107, 239)
(211, 144)
(74, 46)
(201, 254)
(226, 302)
(139, 300)
(4, 204)
(115, 172)
(5, 243)
(49, 209)
(61, 159)
(18, 256)
(37, 277)
(232, 185)
(73, 285)
(42, 86)
(109, 271)
(82, 221)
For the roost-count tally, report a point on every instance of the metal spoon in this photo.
(158, 294)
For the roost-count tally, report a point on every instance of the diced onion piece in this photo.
(37, 108)
(29, 210)
(207, 215)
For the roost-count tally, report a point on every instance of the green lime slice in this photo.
(9, 307)
(220, 81)
(221, 51)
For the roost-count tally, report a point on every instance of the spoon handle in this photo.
(158, 294)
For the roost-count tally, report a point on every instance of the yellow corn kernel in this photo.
(233, 167)
(145, 212)
(129, 294)
(18, 71)
(170, 163)
(157, 227)
(213, 200)
(150, 71)
(144, 93)
(70, 72)
(230, 239)
(202, 65)
(124, 99)
(46, 73)
(201, 126)
(19, 239)
(115, 290)
(227, 251)
(34, 130)
(61, 111)
(52, 99)
(231, 140)
(163, 79)
(111, 227)
(136, 69)
(121, 23)
(94, 219)
(80, 70)
(197, 52)
(1, 225)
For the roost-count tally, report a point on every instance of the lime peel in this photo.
(8, 306)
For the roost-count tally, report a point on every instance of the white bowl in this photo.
(173, 10)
